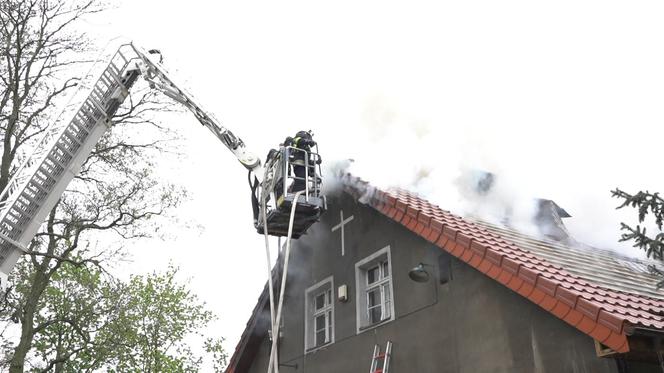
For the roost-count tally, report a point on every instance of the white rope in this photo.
(274, 358)
(269, 265)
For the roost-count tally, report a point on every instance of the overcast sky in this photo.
(563, 100)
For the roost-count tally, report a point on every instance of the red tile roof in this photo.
(605, 314)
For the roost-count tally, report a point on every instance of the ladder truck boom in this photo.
(41, 179)
(158, 78)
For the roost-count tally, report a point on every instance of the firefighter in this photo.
(302, 144)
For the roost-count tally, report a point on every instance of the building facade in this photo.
(351, 286)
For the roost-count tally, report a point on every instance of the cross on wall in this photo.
(341, 226)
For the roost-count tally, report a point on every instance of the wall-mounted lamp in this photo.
(419, 274)
(342, 293)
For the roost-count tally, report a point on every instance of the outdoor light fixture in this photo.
(342, 293)
(419, 274)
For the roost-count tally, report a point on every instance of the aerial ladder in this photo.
(42, 177)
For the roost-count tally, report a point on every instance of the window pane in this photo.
(320, 301)
(328, 326)
(320, 323)
(387, 298)
(372, 275)
(375, 315)
(320, 337)
(373, 298)
(386, 269)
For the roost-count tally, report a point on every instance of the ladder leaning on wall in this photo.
(379, 357)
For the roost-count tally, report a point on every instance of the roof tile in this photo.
(512, 266)
(424, 218)
(600, 332)
(586, 325)
(401, 205)
(463, 239)
(546, 285)
(478, 248)
(494, 257)
(561, 310)
(573, 317)
(611, 321)
(436, 224)
(526, 289)
(449, 232)
(567, 296)
(548, 302)
(587, 308)
(536, 295)
(528, 275)
(412, 211)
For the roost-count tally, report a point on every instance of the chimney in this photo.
(549, 220)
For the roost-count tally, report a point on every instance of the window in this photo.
(378, 292)
(374, 290)
(319, 308)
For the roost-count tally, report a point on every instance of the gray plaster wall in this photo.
(471, 324)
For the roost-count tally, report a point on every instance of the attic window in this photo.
(319, 308)
(375, 303)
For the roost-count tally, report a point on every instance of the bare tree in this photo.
(116, 191)
(37, 53)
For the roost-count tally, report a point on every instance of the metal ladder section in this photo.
(41, 179)
(381, 356)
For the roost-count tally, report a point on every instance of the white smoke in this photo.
(394, 148)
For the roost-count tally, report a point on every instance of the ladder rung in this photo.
(28, 192)
(15, 213)
(22, 219)
(79, 136)
(101, 88)
(14, 222)
(24, 206)
(114, 73)
(62, 146)
(37, 190)
(115, 76)
(81, 126)
(72, 138)
(64, 157)
(97, 104)
(110, 75)
(56, 159)
(72, 145)
(89, 111)
(96, 93)
(28, 201)
(9, 229)
(84, 120)
(92, 109)
(53, 169)
(46, 179)
(10, 223)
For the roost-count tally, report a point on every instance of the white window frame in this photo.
(310, 295)
(382, 260)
